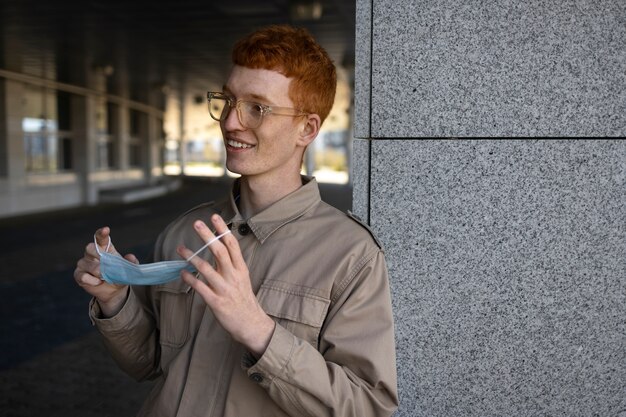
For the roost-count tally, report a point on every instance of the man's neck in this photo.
(256, 194)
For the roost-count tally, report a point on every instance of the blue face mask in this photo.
(116, 270)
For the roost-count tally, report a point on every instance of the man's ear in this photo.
(309, 129)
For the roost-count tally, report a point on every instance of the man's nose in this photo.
(232, 121)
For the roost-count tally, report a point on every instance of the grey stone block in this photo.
(360, 178)
(495, 68)
(362, 70)
(508, 274)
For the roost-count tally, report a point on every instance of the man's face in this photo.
(272, 149)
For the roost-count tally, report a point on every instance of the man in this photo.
(288, 315)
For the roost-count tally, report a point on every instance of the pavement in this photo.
(52, 360)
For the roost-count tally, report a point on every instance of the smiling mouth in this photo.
(238, 145)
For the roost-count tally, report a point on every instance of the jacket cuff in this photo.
(274, 360)
(120, 321)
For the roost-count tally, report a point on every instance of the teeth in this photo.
(236, 144)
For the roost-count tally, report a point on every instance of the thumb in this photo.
(103, 238)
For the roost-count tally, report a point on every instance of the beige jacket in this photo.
(319, 273)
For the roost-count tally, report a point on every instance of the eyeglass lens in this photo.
(250, 114)
(218, 108)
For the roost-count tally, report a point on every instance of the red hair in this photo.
(294, 53)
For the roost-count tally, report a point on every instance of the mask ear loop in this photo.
(209, 243)
(98, 247)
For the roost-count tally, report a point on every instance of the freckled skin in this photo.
(276, 151)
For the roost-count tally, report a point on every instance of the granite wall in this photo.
(490, 160)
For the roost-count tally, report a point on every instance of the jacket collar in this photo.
(283, 211)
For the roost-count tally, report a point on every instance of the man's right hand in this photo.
(110, 297)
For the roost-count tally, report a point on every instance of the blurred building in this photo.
(97, 97)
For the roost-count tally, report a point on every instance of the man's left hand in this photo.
(228, 291)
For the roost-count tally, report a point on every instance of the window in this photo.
(65, 156)
(46, 129)
(137, 122)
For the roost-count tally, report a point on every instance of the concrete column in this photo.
(83, 112)
(122, 116)
(182, 146)
(4, 148)
(84, 128)
(153, 148)
(12, 155)
(122, 134)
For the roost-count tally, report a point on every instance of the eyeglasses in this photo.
(250, 113)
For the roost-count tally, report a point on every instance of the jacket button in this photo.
(244, 229)
(258, 378)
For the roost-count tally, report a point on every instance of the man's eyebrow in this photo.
(260, 97)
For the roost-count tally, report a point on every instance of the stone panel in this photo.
(495, 68)
(360, 178)
(508, 277)
(362, 70)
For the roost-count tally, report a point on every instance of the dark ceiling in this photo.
(175, 42)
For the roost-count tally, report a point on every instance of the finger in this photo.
(82, 278)
(132, 258)
(203, 230)
(218, 249)
(102, 236)
(89, 266)
(212, 276)
(219, 223)
(230, 241)
(91, 252)
(198, 286)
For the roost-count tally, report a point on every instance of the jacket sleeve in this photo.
(354, 371)
(131, 336)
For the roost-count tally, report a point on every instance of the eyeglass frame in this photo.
(265, 109)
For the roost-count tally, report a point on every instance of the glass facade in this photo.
(137, 121)
(46, 127)
(40, 129)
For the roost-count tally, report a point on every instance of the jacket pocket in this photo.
(300, 310)
(175, 311)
